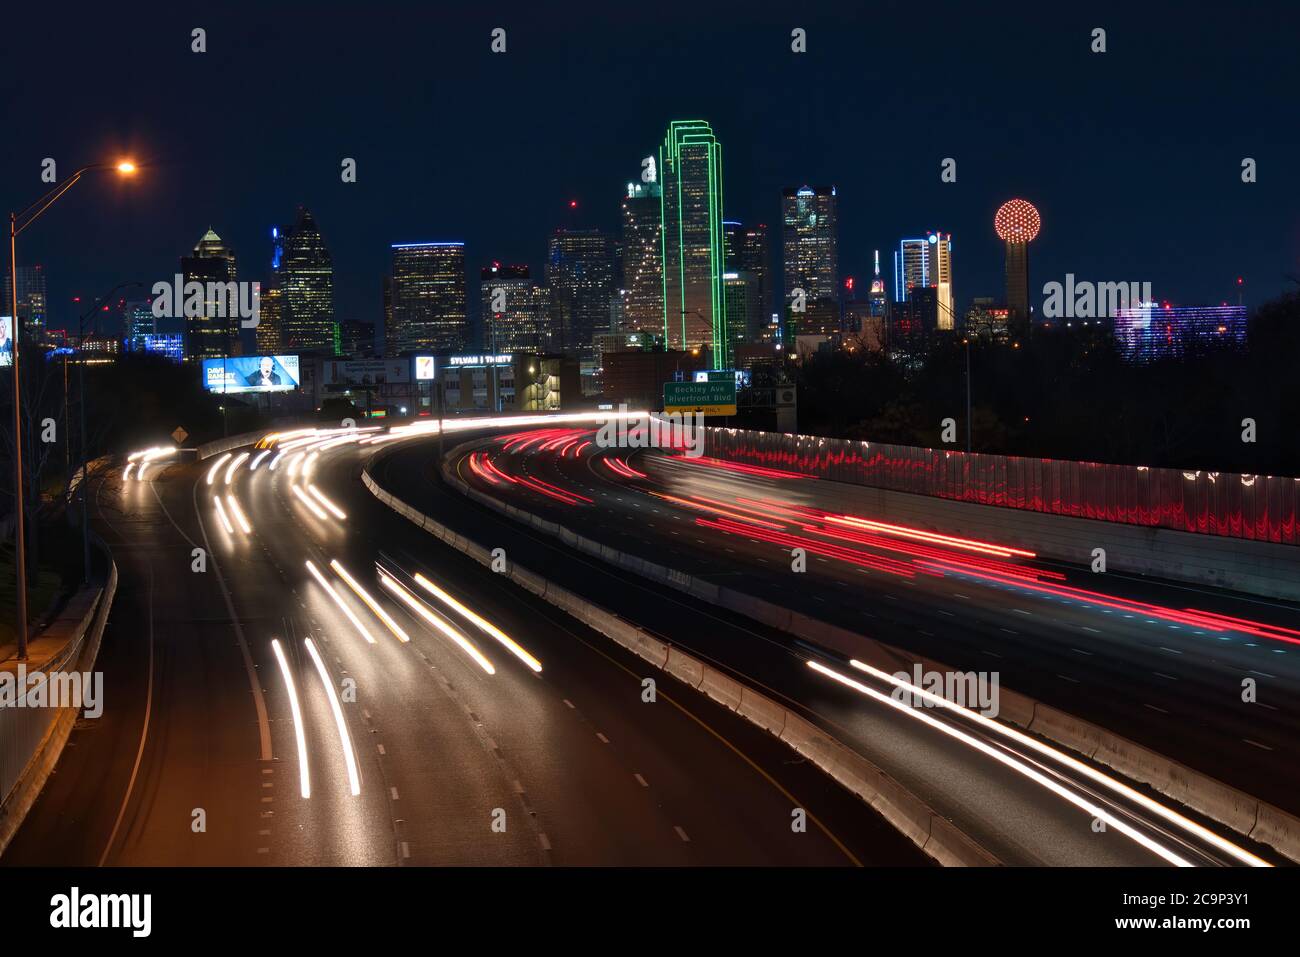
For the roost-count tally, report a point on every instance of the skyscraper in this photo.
(31, 300)
(809, 240)
(267, 333)
(304, 274)
(911, 266)
(941, 278)
(517, 325)
(690, 170)
(214, 332)
(1017, 224)
(643, 306)
(580, 282)
(139, 322)
(879, 298)
(747, 254)
(429, 299)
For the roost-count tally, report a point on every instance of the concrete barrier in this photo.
(79, 650)
(1229, 806)
(934, 835)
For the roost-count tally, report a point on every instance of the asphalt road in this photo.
(452, 765)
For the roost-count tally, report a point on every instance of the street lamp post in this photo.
(967, 342)
(17, 223)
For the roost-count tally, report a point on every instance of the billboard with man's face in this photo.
(251, 374)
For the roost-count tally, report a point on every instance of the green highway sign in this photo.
(711, 398)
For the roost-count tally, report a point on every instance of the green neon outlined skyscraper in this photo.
(690, 172)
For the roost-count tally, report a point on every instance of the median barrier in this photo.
(1218, 801)
(906, 812)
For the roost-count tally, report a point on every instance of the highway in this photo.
(259, 715)
(338, 687)
(976, 624)
(1114, 649)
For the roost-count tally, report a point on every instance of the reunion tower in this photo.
(1017, 224)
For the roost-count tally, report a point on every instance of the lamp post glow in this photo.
(17, 223)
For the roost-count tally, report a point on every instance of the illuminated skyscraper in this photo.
(1017, 223)
(1150, 331)
(517, 326)
(428, 296)
(747, 254)
(941, 279)
(31, 300)
(138, 318)
(643, 280)
(580, 282)
(267, 333)
(911, 267)
(879, 299)
(811, 246)
(304, 274)
(215, 331)
(690, 171)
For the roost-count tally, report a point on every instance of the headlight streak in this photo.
(373, 605)
(126, 472)
(234, 466)
(294, 461)
(304, 774)
(417, 606)
(221, 514)
(239, 514)
(354, 779)
(1105, 780)
(309, 464)
(1020, 767)
(510, 644)
(320, 497)
(257, 460)
(216, 467)
(150, 456)
(274, 462)
(316, 509)
(338, 600)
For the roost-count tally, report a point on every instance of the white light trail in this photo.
(1016, 765)
(239, 514)
(216, 467)
(126, 472)
(309, 465)
(234, 466)
(257, 459)
(221, 514)
(354, 779)
(304, 774)
(308, 502)
(419, 608)
(294, 461)
(373, 605)
(275, 461)
(511, 645)
(320, 497)
(1105, 780)
(338, 600)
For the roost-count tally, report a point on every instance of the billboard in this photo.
(6, 341)
(251, 374)
(361, 372)
(423, 368)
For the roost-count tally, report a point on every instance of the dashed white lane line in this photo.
(1009, 631)
(1093, 630)
(682, 834)
(1263, 674)
(1082, 652)
(1154, 708)
(640, 780)
(406, 849)
(1264, 747)
(570, 704)
(393, 793)
(546, 841)
(992, 654)
(603, 739)
(1161, 674)
(380, 747)
(1069, 679)
(1021, 611)
(1172, 651)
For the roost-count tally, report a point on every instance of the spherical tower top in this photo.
(1017, 221)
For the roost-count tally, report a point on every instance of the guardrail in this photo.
(1229, 806)
(1257, 507)
(930, 831)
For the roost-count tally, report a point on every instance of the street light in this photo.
(17, 223)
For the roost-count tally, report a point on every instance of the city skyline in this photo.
(504, 209)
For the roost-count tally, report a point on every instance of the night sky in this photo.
(1133, 157)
